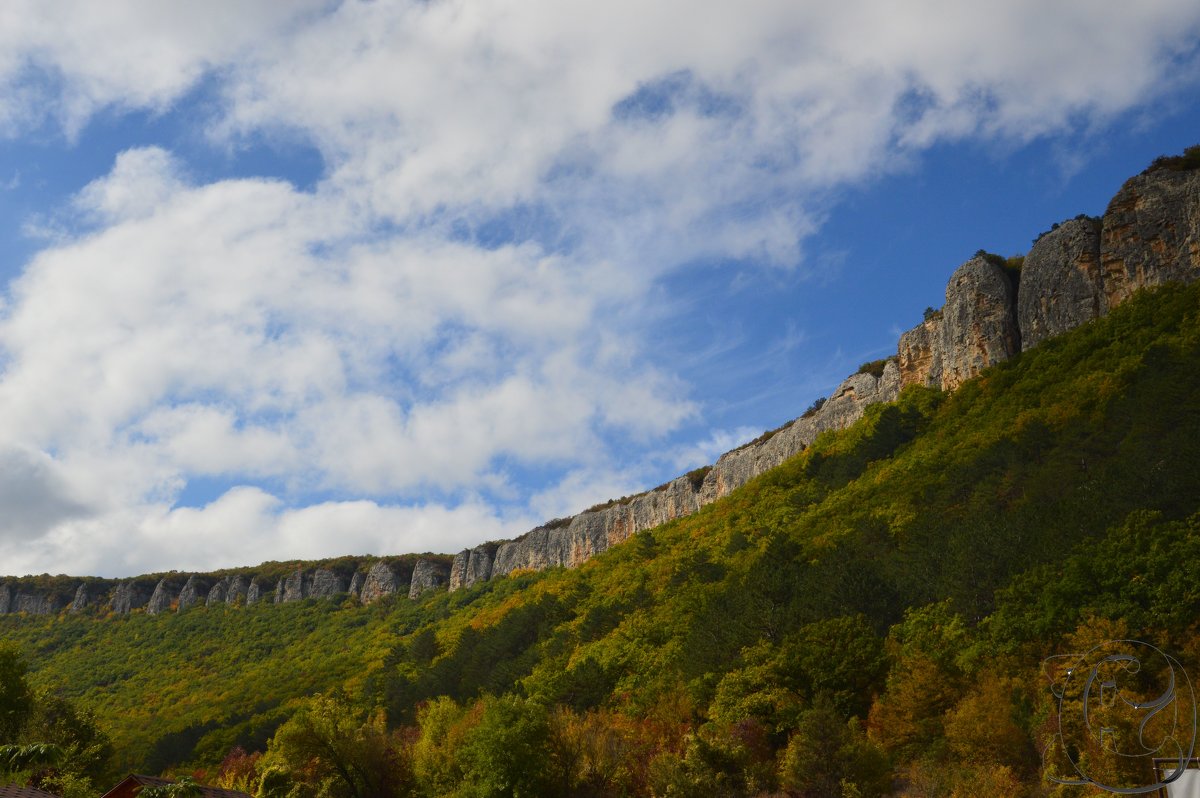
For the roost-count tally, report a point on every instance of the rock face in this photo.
(216, 594)
(290, 588)
(5, 599)
(161, 600)
(126, 598)
(424, 577)
(472, 565)
(1061, 283)
(236, 590)
(324, 583)
(190, 595)
(81, 601)
(920, 353)
(979, 321)
(321, 583)
(380, 581)
(33, 604)
(356, 584)
(845, 406)
(1151, 233)
(975, 329)
(569, 542)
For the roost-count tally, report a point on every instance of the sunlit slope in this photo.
(936, 496)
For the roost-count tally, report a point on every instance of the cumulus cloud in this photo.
(470, 287)
(247, 525)
(34, 495)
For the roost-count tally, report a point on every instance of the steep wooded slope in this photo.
(934, 497)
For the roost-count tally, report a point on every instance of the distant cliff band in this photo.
(994, 309)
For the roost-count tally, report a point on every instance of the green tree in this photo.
(507, 754)
(330, 744)
(16, 700)
(828, 756)
(31, 756)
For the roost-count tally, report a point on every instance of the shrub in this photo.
(817, 404)
(873, 367)
(696, 476)
(1189, 161)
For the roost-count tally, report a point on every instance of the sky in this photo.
(309, 279)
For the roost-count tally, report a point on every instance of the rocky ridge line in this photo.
(1078, 271)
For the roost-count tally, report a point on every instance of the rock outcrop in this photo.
(1061, 283)
(324, 583)
(1150, 233)
(976, 328)
(34, 604)
(189, 596)
(290, 588)
(253, 593)
(217, 593)
(380, 581)
(569, 542)
(5, 598)
(82, 600)
(472, 565)
(356, 584)
(160, 601)
(425, 576)
(126, 598)
(236, 590)
(920, 352)
(845, 406)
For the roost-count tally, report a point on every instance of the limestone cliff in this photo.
(190, 595)
(472, 565)
(325, 583)
(976, 328)
(1061, 284)
(126, 598)
(161, 600)
(235, 590)
(1150, 233)
(380, 581)
(81, 600)
(425, 576)
(1078, 271)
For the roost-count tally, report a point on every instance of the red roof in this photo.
(13, 791)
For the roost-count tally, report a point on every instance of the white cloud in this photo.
(356, 337)
(247, 526)
(128, 54)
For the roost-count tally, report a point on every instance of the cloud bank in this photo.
(468, 295)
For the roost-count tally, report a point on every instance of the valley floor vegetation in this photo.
(868, 619)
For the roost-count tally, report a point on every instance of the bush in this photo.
(817, 404)
(873, 367)
(1189, 161)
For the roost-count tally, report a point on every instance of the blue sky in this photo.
(312, 279)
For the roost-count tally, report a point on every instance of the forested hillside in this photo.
(869, 617)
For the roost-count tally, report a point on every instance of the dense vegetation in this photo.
(870, 617)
